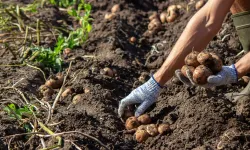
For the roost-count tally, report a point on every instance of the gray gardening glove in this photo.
(227, 75)
(145, 95)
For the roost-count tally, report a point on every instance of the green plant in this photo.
(20, 114)
(63, 3)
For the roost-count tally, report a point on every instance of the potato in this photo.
(107, 71)
(144, 119)
(200, 75)
(205, 58)
(153, 16)
(163, 17)
(109, 16)
(164, 128)
(132, 39)
(172, 16)
(131, 123)
(155, 24)
(217, 64)
(76, 99)
(56, 82)
(46, 91)
(199, 4)
(67, 92)
(115, 8)
(185, 68)
(172, 8)
(141, 136)
(152, 130)
(191, 59)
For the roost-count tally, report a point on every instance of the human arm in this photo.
(202, 27)
(243, 65)
(200, 30)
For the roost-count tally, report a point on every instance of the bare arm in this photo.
(243, 65)
(203, 26)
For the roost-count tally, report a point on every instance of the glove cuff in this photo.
(153, 85)
(234, 73)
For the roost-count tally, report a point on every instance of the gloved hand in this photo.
(227, 75)
(145, 95)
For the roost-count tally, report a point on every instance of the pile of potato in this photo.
(201, 65)
(143, 127)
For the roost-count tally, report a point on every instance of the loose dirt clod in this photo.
(144, 119)
(164, 128)
(66, 51)
(141, 136)
(131, 123)
(217, 63)
(152, 130)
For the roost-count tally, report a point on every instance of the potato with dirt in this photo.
(201, 73)
(131, 123)
(191, 59)
(185, 68)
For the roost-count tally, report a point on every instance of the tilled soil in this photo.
(200, 118)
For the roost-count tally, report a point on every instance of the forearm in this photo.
(199, 31)
(243, 65)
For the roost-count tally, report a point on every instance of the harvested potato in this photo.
(163, 17)
(164, 128)
(191, 59)
(144, 119)
(217, 63)
(172, 8)
(199, 4)
(76, 99)
(45, 90)
(185, 68)
(200, 75)
(109, 16)
(153, 16)
(115, 8)
(131, 123)
(155, 24)
(152, 130)
(141, 136)
(132, 39)
(67, 92)
(172, 16)
(56, 82)
(107, 71)
(205, 58)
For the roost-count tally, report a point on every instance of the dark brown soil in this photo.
(199, 118)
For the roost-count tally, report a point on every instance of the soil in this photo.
(200, 118)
